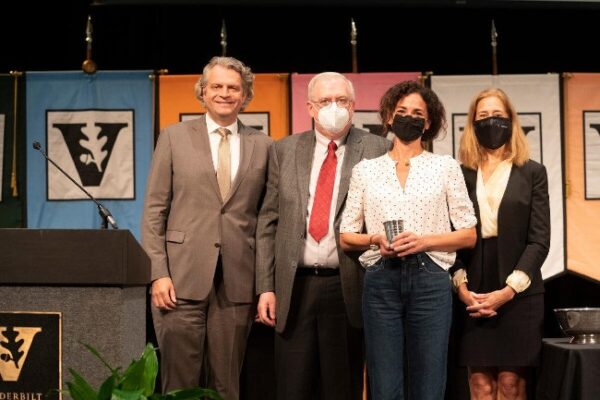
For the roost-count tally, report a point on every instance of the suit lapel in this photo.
(246, 150)
(512, 189)
(471, 182)
(304, 157)
(352, 155)
(201, 144)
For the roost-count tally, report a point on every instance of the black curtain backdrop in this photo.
(444, 37)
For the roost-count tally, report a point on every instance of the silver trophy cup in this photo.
(393, 228)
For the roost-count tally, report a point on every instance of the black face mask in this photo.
(407, 128)
(493, 132)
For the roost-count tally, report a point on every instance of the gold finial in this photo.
(494, 43)
(89, 66)
(353, 42)
(223, 39)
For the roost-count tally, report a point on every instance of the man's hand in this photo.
(163, 294)
(266, 308)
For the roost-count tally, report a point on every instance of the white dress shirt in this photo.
(323, 253)
(434, 195)
(489, 196)
(214, 138)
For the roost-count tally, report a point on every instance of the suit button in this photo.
(222, 211)
(217, 245)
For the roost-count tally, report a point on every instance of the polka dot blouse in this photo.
(434, 196)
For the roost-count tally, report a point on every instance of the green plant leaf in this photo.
(119, 394)
(106, 389)
(141, 374)
(92, 350)
(136, 383)
(151, 370)
(79, 389)
(193, 394)
(133, 376)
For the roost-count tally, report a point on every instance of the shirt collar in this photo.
(390, 160)
(323, 140)
(212, 126)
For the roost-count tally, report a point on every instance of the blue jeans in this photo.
(407, 311)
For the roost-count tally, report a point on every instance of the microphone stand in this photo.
(105, 215)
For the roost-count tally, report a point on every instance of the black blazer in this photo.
(523, 227)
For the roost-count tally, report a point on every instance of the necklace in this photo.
(406, 162)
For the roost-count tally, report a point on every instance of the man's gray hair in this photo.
(229, 63)
(325, 76)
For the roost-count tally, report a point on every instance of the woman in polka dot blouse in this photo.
(407, 298)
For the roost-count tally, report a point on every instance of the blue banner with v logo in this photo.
(97, 128)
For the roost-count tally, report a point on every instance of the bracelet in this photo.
(373, 246)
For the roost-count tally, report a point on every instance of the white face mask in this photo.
(333, 118)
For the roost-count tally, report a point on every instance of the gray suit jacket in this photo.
(282, 221)
(186, 224)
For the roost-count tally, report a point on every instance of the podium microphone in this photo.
(106, 216)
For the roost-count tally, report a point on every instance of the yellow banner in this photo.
(582, 138)
(268, 111)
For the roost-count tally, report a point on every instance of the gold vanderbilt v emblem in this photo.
(15, 343)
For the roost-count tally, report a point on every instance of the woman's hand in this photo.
(403, 244)
(466, 296)
(384, 246)
(489, 303)
(409, 243)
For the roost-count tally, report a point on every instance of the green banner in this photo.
(12, 159)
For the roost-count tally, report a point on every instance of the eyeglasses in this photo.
(340, 101)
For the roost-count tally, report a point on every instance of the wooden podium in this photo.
(97, 280)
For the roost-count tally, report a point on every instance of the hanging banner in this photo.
(582, 172)
(268, 111)
(368, 89)
(537, 100)
(12, 139)
(98, 129)
(2, 134)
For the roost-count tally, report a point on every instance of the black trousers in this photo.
(319, 355)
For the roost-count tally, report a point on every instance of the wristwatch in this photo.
(372, 246)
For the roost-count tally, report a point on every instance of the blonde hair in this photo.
(472, 154)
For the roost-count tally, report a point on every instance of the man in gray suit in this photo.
(310, 291)
(205, 188)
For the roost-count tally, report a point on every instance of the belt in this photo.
(310, 271)
(409, 258)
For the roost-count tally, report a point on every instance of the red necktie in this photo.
(319, 215)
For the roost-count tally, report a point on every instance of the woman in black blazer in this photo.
(501, 282)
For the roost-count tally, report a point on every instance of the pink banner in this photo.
(369, 88)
